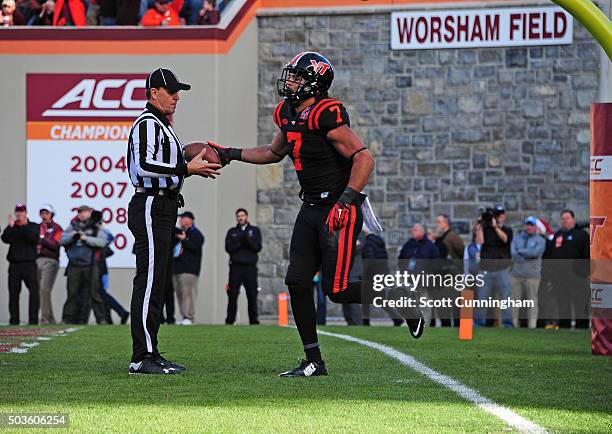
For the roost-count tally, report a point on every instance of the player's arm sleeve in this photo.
(276, 115)
(145, 136)
(329, 117)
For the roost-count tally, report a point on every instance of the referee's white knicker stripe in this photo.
(150, 271)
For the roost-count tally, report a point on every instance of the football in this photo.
(191, 150)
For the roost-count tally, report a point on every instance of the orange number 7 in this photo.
(337, 110)
(292, 136)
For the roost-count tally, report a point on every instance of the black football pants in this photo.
(313, 248)
(151, 220)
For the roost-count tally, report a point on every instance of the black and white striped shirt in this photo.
(155, 155)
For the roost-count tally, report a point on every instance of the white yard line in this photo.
(511, 418)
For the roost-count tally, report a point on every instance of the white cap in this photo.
(47, 207)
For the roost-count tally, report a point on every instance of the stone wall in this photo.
(451, 130)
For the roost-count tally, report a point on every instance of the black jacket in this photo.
(571, 255)
(374, 248)
(495, 254)
(190, 258)
(23, 241)
(243, 245)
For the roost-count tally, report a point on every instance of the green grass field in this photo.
(548, 377)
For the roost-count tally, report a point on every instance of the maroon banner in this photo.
(54, 97)
(601, 230)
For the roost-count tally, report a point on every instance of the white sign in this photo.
(77, 131)
(464, 28)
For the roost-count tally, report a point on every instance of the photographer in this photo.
(83, 240)
(495, 261)
(187, 265)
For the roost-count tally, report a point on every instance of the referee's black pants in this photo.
(151, 220)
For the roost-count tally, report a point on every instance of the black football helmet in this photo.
(313, 74)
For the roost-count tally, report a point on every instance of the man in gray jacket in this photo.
(527, 250)
(84, 238)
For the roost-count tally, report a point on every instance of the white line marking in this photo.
(505, 414)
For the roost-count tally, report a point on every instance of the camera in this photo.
(486, 216)
(177, 231)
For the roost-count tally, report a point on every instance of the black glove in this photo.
(226, 154)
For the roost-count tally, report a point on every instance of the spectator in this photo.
(163, 13)
(110, 302)
(421, 254)
(10, 15)
(22, 236)
(187, 267)
(29, 9)
(242, 242)
(448, 242)
(471, 254)
(83, 240)
(527, 249)
(47, 261)
(569, 277)
(44, 15)
(69, 13)
(108, 12)
(128, 12)
(209, 16)
(451, 248)
(419, 247)
(375, 257)
(495, 255)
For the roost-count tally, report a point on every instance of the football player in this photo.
(333, 166)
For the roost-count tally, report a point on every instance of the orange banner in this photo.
(60, 130)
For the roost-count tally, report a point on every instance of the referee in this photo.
(157, 171)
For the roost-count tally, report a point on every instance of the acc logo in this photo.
(285, 121)
(319, 67)
(595, 223)
(90, 94)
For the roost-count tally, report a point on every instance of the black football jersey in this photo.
(322, 171)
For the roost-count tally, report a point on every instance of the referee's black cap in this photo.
(165, 78)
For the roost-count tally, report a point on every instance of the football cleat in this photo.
(151, 365)
(170, 363)
(306, 369)
(416, 326)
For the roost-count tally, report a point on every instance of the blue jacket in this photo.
(84, 253)
(527, 253)
(189, 259)
(374, 248)
(423, 249)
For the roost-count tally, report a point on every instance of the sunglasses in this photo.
(163, 2)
